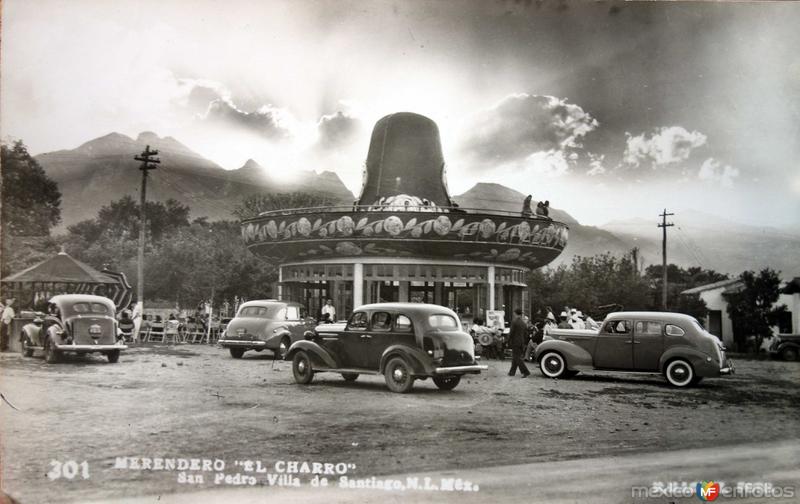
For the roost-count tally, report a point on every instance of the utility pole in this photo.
(664, 225)
(149, 162)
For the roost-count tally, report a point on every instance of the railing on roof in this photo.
(395, 208)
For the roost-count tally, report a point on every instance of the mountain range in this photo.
(103, 170)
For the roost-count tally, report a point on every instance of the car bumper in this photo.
(729, 369)
(475, 368)
(89, 348)
(242, 344)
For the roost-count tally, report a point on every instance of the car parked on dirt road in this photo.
(785, 346)
(265, 324)
(76, 323)
(673, 344)
(402, 341)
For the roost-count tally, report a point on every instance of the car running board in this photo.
(346, 371)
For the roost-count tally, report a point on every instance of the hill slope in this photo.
(103, 170)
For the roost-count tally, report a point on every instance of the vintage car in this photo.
(673, 344)
(402, 341)
(785, 346)
(265, 324)
(76, 323)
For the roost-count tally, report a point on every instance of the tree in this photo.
(257, 203)
(121, 218)
(31, 200)
(589, 283)
(752, 307)
(680, 280)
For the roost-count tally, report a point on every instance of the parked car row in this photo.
(405, 342)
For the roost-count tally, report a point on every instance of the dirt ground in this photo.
(195, 401)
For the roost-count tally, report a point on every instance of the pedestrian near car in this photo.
(5, 324)
(330, 310)
(516, 341)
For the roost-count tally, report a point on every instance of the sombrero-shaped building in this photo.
(404, 239)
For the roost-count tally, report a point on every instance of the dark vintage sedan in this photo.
(265, 324)
(76, 323)
(673, 344)
(785, 346)
(402, 341)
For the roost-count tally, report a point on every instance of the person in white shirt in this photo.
(5, 324)
(329, 310)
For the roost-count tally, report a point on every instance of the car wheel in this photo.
(51, 355)
(283, 349)
(553, 365)
(351, 377)
(789, 354)
(113, 356)
(398, 375)
(236, 353)
(679, 373)
(301, 368)
(448, 382)
(27, 351)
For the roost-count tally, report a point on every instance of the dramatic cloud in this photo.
(713, 171)
(596, 166)
(522, 125)
(550, 163)
(337, 129)
(268, 121)
(666, 146)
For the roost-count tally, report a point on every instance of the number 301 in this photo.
(68, 470)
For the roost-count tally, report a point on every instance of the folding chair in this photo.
(171, 332)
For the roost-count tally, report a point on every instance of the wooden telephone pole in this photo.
(149, 162)
(664, 225)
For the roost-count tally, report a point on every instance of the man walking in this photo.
(517, 343)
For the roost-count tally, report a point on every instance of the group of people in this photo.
(542, 208)
(572, 318)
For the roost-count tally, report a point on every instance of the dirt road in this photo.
(188, 401)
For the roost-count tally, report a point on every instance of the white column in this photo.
(358, 285)
(490, 275)
(280, 283)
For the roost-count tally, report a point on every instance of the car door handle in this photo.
(628, 341)
(366, 336)
(636, 342)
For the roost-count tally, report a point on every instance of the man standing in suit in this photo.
(517, 343)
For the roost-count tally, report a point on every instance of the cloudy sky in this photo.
(610, 111)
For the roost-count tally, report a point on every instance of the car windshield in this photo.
(259, 311)
(443, 322)
(90, 308)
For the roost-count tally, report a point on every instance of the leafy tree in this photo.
(679, 280)
(257, 203)
(752, 307)
(31, 200)
(120, 219)
(589, 283)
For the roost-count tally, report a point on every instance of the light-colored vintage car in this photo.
(76, 323)
(402, 341)
(673, 344)
(265, 324)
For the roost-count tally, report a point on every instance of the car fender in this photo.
(787, 344)
(697, 358)
(415, 357)
(575, 356)
(320, 357)
(32, 334)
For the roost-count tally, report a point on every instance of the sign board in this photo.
(496, 319)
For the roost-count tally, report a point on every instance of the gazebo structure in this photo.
(61, 274)
(404, 239)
